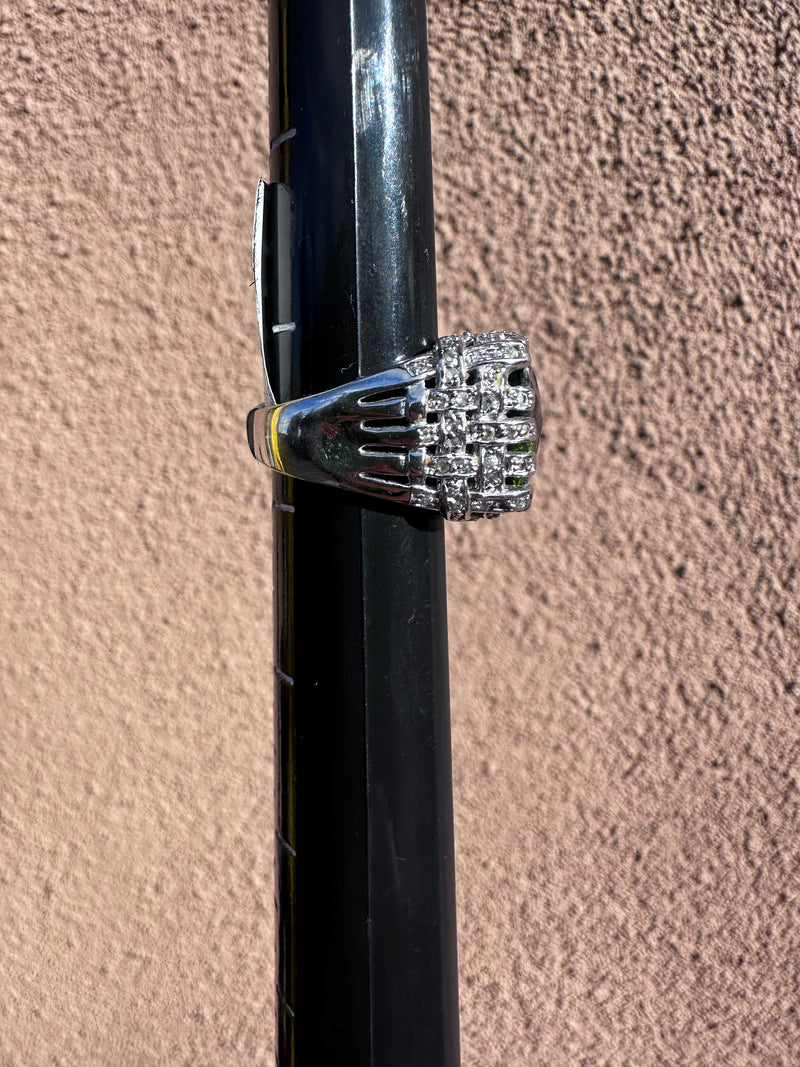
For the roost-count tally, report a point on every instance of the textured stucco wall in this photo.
(617, 179)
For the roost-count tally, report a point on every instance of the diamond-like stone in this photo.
(428, 433)
(461, 399)
(492, 468)
(423, 365)
(479, 432)
(504, 353)
(510, 500)
(437, 400)
(491, 387)
(518, 399)
(520, 463)
(453, 466)
(424, 496)
(465, 399)
(453, 430)
(455, 500)
(450, 376)
(514, 431)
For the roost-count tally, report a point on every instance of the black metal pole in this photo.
(366, 932)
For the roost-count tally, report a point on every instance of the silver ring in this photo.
(455, 429)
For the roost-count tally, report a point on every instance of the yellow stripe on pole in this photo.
(273, 439)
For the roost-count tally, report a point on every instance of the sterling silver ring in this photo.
(455, 429)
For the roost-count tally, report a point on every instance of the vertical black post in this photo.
(366, 933)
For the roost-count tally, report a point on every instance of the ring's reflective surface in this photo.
(455, 429)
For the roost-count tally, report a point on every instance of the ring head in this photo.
(482, 426)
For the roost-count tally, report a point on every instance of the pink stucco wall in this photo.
(619, 180)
